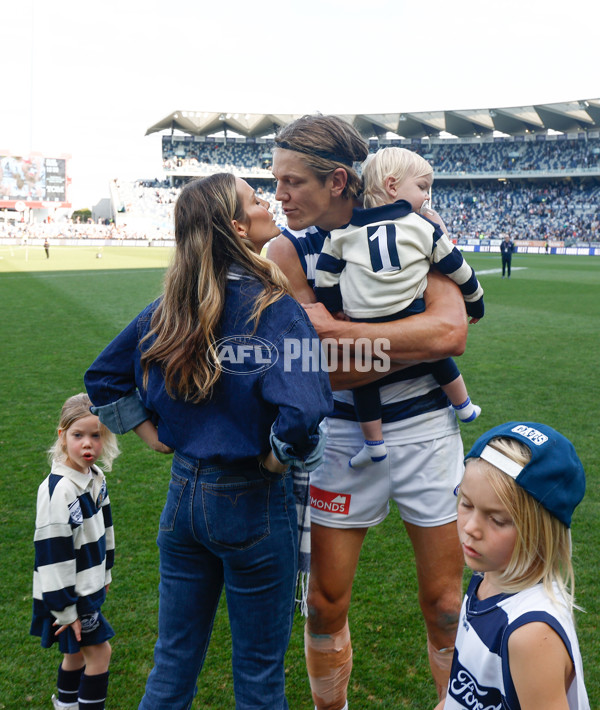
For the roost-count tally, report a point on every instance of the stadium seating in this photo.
(448, 156)
(531, 187)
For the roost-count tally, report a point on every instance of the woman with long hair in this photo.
(211, 371)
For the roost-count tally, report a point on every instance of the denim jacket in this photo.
(267, 395)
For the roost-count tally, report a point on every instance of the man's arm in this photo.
(281, 251)
(439, 332)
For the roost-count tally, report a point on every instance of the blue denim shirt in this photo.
(267, 394)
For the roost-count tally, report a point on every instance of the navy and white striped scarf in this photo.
(302, 498)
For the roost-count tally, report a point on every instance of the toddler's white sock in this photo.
(371, 452)
(467, 411)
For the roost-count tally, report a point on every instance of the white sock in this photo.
(371, 452)
(467, 411)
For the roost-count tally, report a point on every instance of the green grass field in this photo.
(534, 356)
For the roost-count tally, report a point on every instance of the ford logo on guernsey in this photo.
(244, 354)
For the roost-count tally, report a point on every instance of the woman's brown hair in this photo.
(185, 325)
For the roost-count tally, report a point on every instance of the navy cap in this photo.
(554, 476)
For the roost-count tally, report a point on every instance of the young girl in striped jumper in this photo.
(74, 553)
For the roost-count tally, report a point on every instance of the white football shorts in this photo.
(419, 476)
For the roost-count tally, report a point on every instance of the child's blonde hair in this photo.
(75, 408)
(395, 162)
(542, 551)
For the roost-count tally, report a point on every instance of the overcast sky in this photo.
(87, 78)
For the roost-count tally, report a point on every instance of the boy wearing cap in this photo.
(516, 646)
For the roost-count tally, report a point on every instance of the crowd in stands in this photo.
(25, 232)
(145, 202)
(554, 211)
(507, 157)
(558, 210)
(204, 158)
(156, 198)
(446, 156)
(563, 209)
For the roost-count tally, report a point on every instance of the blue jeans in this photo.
(237, 527)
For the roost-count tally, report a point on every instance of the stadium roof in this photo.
(565, 117)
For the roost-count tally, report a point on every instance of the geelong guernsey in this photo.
(74, 544)
(377, 265)
(308, 244)
(480, 678)
(411, 397)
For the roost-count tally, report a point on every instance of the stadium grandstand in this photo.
(532, 172)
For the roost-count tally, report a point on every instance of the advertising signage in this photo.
(33, 181)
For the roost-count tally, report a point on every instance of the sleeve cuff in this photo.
(475, 309)
(286, 455)
(67, 616)
(123, 415)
